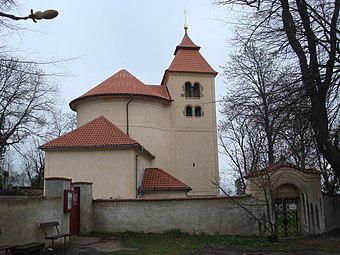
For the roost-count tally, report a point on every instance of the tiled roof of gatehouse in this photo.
(158, 179)
(280, 165)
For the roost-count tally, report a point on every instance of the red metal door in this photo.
(75, 212)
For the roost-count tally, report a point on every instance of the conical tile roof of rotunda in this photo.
(123, 83)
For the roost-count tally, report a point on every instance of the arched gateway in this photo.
(295, 197)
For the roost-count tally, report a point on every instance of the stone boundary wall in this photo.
(332, 211)
(218, 215)
(21, 216)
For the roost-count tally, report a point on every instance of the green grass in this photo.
(175, 242)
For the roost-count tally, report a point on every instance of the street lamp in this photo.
(38, 15)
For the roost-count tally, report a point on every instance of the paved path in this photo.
(84, 245)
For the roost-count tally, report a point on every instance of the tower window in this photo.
(196, 90)
(198, 111)
(192, 90)
(188, 111)
(188, 89)
(191, 111)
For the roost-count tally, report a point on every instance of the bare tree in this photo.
(32, 157)
(28, 111)
(242, 145)
(265, 193)
(25, 100)
(33, 164)
(256, 110)
(306, 31)
(257, 91)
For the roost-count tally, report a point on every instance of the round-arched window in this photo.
(188, 111)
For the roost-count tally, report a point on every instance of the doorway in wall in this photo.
(75, 212)
(286, 217)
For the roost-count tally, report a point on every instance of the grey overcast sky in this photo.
(108, 35)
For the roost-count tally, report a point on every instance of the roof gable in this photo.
(95, 134)
(158, 179)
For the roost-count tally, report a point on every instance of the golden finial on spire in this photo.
(185, 21)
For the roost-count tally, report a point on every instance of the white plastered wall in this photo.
(112, 172)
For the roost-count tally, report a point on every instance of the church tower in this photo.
(191, 84)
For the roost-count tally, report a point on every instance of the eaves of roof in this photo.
(138, 147)
(96, 134)
(276, 166)
(74, 102)
(124, 84)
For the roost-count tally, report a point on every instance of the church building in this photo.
(138, 140)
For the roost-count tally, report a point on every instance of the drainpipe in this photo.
(138, 154)
(137, 175)
(127, 116)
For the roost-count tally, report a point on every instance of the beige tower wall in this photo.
(112, 172)
(194, 140)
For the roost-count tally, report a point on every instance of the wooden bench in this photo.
(6, 247)
(51, 232)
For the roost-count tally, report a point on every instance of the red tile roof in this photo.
(188, 59)
(276, 166)
(124, 83)
(95, 134)
(187, 43)
(158, 179)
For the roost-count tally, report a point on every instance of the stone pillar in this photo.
(54, 187)
(86, 209)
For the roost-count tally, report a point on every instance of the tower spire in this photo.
(185, 21)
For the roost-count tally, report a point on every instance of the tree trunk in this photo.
(315, 88)
(319, 122)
